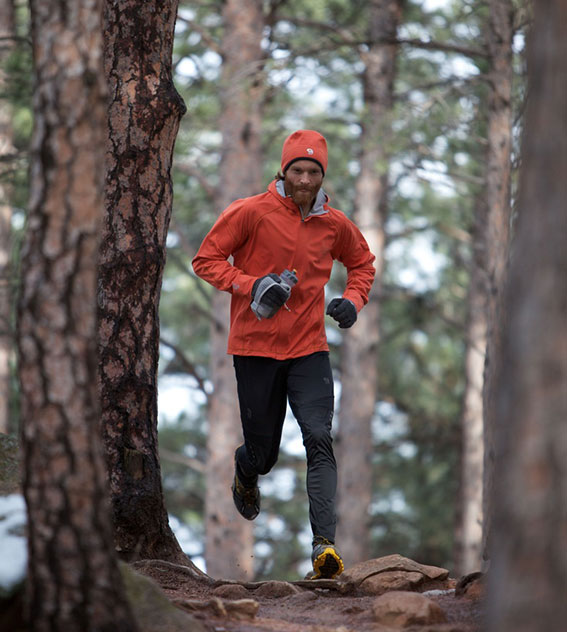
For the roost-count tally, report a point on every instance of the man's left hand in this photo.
(343, 311)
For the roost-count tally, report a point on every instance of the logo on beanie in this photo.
(310, 151)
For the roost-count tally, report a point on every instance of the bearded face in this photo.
(303, 179)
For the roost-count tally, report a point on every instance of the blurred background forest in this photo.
(435, 133)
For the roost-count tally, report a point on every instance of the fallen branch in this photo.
(311, 584)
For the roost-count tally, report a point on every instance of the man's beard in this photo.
(304, 196)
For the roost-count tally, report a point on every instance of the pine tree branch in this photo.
(208, 40)
(345, 38)
(455, 232)
(186, 363)
(450, 83)
(181, 459)
(180, 262)
(271, 16)
(194, 172)
(177, 259)
(454, 175)
(13, 156)
(187, 248)
(441, 46)
(408, 232)
(13, 39)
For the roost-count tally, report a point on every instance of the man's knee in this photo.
(318, 437)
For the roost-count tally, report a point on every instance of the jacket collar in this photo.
(321, 200)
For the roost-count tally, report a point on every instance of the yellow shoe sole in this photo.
(327, 565)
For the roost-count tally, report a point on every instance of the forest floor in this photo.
(379, 596)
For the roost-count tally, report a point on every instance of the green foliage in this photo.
(16, 98)
(282, 528)
(312, 78)
(17, 95)
(18, 69)
(183, 484)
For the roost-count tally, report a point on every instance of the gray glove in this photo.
(270, 300)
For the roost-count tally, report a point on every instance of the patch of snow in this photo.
(13, 543)
(438, 593)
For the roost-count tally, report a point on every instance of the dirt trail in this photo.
(323, 606)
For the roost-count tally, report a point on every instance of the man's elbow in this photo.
(199, 265)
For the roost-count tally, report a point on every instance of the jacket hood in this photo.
(320, 201)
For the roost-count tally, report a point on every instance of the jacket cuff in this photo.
(242, 285)
(355, 299)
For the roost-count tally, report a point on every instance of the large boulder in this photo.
(395, 572)
(401, 609)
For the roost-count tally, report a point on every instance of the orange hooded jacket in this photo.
(265, 233)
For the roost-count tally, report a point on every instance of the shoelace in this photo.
(249, 494)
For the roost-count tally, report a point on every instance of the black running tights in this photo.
(264, 387)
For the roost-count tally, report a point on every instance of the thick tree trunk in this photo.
(498, 167)
(74, 583)
(528, 576)
(7, 30)
(229, 538)
(143, 116)
(468, 547)
(359, 374)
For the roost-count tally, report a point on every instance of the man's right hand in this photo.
(275, 296)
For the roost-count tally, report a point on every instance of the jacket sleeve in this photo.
(353, 252)
(211, 261)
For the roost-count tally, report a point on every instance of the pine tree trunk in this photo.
(468, 548)
(528, 575)
(498, 167)
(359, 369)
(229, 538)
(74, 582)
(143, 117)
(7, 30)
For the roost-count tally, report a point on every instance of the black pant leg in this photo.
(262, 396)
(311, 397)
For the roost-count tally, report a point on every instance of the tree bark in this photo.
(498, 168)
(143, 118)
(7, 31)
(528, 574)
(468, 547)
(73, 579)
(359, 368)
(229, 538)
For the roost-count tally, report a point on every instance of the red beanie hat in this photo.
(305, 144)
